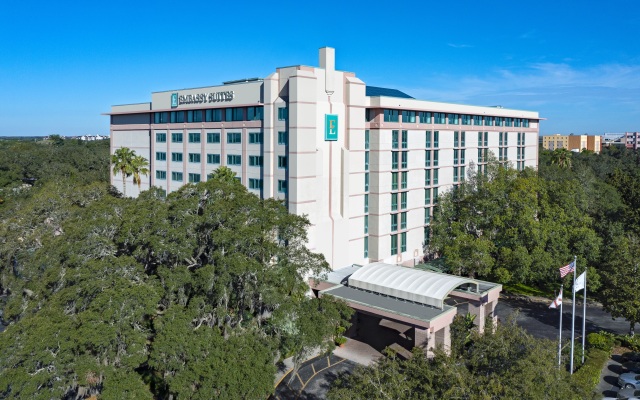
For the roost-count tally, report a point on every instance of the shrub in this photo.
(632, 342)
(340, 340)
(588, 376)
(601, 340)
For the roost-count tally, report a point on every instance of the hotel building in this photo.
(365, 164)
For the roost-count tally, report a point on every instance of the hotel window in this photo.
(525, 123)
(366, 160)
(435, 195)
(194, 116)
(477, 120)
(488, 121)
(409, 116)
(455, 174)
(234, 137)
(282, 138)
(426, 236)
(176, 157)
(425, 117)
(194, 178)
(486, 139)
(177, 117)
(463, 136)
(283, 113)
(255, 161)
(234, 114)
(366, 224)
(254, 113)
(394, 181)
(194, 157)
(435, 157)
(520, 138)
(394, 159)
(436, 139)
(214, 115)
(405, 157)
(176, 137)
(403, 220)
(394, 139)
(394, 222)
(427, 216)
(403, 200)
(403, 183)
(456, 139)
(427, 142)
(161, 138)
(366, 203)
(456, 156)
(255, 183)
(390, 115)
(213, 137)
(394, 245)
(427, 177)
(439, 118)
(480, 153)
(282, 162)
(517, 122)
(366, 181)
(176, 176)
(520, 165)
(368, 115)
(508, 121)
(499, 121)
(366, 139)
(427, 158)
(161, 175)
(213, 158)
(427, 196)
(161, 156)
(366, 246)
(394, 201)
(255, 137)
(161, 117)
(405, 138)
(466, 119)
(462, 156)
(282, 186)
(233, 159)
(194, 137)
(403, 242)
(462, 173)
(454, 119)
(435, 176)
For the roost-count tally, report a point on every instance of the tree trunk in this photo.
(124, 184)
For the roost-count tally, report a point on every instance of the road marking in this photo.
(312, 376)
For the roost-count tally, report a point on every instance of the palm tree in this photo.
(562, 157)
(139, 166)
(122, 163)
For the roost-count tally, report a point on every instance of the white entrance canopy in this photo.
(408, 283)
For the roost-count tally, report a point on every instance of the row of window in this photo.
(211, 115)
(394, 243)
(232, 159)
(425, 117)
(214, 137)
(254, 183)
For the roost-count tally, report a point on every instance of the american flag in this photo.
(567, 269)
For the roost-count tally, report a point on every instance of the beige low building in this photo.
(419, 305)
(572, 142)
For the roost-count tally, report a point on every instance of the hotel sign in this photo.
(331, 127)
(200, 98)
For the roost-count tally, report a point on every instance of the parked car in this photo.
(631, 366)
(629, 380)
(629, 394)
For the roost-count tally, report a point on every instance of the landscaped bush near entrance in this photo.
(588, 376)
(601, 340)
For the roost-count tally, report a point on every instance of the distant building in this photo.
(631, 140)
(573, 142)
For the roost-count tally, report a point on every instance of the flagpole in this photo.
(584, 313)
(573, 315)
(560, 333)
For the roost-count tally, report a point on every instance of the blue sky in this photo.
(62, 64)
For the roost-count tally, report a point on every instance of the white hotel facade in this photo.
(365, 164)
